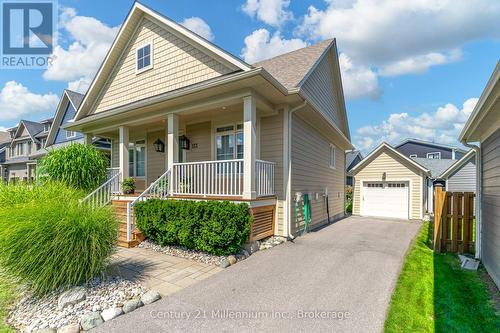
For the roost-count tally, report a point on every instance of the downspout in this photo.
(289, 188)
(479, 194)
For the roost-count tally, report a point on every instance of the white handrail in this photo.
(103, 195)
(159, 189)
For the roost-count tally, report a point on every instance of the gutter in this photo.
(288, 224)
(479, 194)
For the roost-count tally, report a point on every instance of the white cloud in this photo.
(402, 37)
(199, 26)
(419, 64)
(443, 126)
(358, 81)
(16, 101)
(272, 12)
(261, 45)
(90, 41)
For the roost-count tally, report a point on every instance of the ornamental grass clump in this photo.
(77, 165)
(49, 240)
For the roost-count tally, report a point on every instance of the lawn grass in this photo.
(434, 294)
(7, 296)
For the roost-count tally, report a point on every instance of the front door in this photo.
(137, 163)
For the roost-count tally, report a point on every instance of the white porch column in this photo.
(123, 151)
(173, 140)
(87, 138)
(249, 146)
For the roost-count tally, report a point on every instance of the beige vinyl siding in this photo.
(271, 147)
(396, 170)
(490, 233)
(311, 173)
(200, 135)
(155, 162)
(320, 90)
(176, 64)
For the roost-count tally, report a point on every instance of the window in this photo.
(413, 155)
(229, 142)
(144, 58)
(332, 160)
(42, 143)
(379, 185)
(70, 134)
(46, 127)
(435, 156)
(29, 147)
(137, 159)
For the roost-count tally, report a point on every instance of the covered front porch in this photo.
(213, 152)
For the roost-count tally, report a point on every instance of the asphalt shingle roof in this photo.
(290, 68)
(4, 137)
(435, 166)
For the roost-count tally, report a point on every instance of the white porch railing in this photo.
(104, 193)
(264, 178)
(111, 172)
(159, 189)
(209, 178)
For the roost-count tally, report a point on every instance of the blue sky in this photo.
(410, 69)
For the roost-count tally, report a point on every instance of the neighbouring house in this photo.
(177, 107)
(66, 110)
(389, 184)
(352, 158)
(482, 133)
(25, 147)
(414, 148)
(461, 176)
(4, 141)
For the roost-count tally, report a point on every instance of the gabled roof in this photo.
(381, 147)
(68, 96)
(136, 13)
(32, 127)
(459, 164)
(485, 105)
(436, 166)
(350, 157)
(429, 143)
(291, 68)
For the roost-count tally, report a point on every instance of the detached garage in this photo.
(389, 184)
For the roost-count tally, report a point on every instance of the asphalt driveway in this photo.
(339, 278)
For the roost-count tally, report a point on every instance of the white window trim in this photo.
(334, 149)
(413, 155)
(69, 135)
(138, 71)
(234, 132)
(436, 152)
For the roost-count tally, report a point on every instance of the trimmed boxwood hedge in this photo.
(217, 227)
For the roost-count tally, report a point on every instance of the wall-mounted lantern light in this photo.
(159, 146)
(384, 176)
(183, 142)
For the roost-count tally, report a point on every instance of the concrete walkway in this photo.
(347, 270)
(158, 271)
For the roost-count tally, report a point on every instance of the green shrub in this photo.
(77, 165)
(49, 240)
(217, 227)
(348, 199)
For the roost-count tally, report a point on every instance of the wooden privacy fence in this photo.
(454, 221)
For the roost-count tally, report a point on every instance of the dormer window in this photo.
(46, 127)
(144, 58)
(434, 156)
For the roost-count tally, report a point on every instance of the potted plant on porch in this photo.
(128, 186)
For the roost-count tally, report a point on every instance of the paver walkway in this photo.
(349, 268)
(158, 271)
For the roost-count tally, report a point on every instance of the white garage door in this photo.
(385, 199)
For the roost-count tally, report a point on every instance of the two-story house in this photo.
(184, 112)
(414, 148)
(26, 145)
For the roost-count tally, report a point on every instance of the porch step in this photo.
(120, 210)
